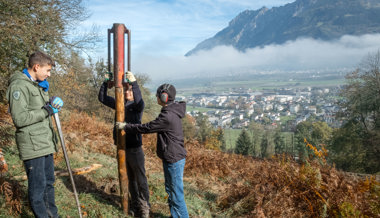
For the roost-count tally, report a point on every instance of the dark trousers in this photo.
(138, 184)
(40, 173)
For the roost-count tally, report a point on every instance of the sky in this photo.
(163, 31)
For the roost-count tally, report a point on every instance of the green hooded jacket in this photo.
(35, 135)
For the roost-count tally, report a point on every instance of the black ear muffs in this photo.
(164, 97)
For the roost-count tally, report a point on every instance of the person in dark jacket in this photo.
(36, 140)
(170, 145)
(135, 160)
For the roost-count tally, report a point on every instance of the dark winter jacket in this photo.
(168, 126)
(133, 112)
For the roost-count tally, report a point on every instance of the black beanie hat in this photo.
(168, 89)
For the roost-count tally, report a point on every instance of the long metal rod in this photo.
(128, 31)
(109, 50)
(58, 123)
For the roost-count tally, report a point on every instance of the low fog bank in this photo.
(300, 55)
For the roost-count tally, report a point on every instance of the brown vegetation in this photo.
(10, 189)
(281, 187)
(82, 130)
(243, 186)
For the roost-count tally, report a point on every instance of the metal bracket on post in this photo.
(110, 82)
(128, 32)
(119, 31)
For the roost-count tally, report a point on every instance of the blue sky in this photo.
(169, 27)
(162, 31)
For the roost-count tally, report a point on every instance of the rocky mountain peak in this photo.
(317, 19)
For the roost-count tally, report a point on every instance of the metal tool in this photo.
(58, 123)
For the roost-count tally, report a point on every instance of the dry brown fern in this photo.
(279, 187)
(12, 192)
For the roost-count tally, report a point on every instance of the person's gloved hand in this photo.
(130, 77)
(56, 102)
(108, 76)
(53, 106)
(120, 125)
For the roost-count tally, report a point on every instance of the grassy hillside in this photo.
(216, 184)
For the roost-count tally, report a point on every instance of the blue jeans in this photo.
(40, 172)
(173, 173)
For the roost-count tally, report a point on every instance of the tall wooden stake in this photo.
(119, 31)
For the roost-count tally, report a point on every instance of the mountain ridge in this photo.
(318, 19)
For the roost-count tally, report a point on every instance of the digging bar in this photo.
(58, 123)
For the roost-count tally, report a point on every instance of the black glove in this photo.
(48, 109)
(54, 105)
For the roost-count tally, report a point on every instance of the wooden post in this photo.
(118, 33)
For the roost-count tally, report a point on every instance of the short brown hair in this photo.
(41, 58)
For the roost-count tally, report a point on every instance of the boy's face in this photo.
(128, 93)
(42, 72)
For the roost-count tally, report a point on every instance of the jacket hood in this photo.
(18, 76)
(178, 108)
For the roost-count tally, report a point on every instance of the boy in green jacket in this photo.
(31, 111)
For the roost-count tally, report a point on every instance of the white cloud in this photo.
(301, 54)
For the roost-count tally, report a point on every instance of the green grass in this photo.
(199, 202)
(200, 109)
(94, 201)
(93, 189)
(284, 119)
(258, 84)
(94, 197)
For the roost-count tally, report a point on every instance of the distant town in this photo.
(285, 107)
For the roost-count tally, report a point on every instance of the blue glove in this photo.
(53, 106)
(56, 103)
